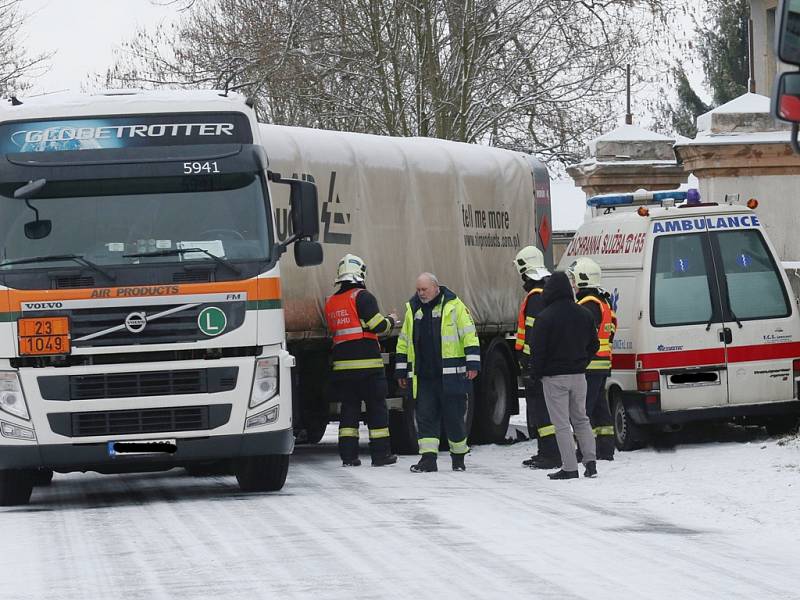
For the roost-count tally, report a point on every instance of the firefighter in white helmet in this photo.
(586, 276)
(529, 263)
(355, 322)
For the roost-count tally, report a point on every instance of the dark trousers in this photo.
(539, 422)
(433, 405)
(599, 414)
(351, 391)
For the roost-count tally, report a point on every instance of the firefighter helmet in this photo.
(585, 273)
(351, 268)
(530, 263)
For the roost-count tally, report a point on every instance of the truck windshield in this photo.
(103, 220)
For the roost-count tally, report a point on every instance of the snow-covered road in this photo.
(719, 518)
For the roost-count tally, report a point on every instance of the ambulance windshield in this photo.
(685, 291)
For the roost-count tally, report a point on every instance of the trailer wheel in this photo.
(262, 473)
(782, 425)
(494, 389)
(15, 487)
(42, 477)
(627, 434)
(403, 428)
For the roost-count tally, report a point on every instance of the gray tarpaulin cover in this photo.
(406, 205)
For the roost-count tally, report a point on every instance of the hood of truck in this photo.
(147, 317)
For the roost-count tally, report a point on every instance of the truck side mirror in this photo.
(307, 254)
(787, 42)
(786, 99)
(305, 211)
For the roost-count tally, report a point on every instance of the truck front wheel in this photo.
(494, 392)
(262, 473)
(16, 486)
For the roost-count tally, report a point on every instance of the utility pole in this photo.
(628, 114)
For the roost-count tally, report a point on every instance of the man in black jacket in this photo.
(564, 341)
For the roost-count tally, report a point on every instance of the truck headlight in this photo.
(265, 381)
(12, 400)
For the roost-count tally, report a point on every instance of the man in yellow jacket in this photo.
(438, 350)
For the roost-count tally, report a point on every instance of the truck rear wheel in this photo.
(262, 473)
(493, 394)
(627, 434)
(15, 487)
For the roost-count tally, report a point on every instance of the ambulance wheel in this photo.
(262, 473)
(16, 486)
(494, 389)
(403, 429)
(627, 434)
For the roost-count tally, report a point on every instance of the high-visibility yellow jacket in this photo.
(459, 343)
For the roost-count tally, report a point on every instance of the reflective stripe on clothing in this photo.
(428, 445)
(605, 333)
(363, 363)
(547, 430)
(604, 365)
(376, 434)
(604, 430)
(458, 447)
(346, 432)
(523, 321)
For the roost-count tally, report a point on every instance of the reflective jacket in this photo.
(460, 348)
(605, 331)
(355, 323)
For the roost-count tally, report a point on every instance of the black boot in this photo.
(605, 447)
(380, 461)
(351, 462)
(458, 462)
(562, 474)
(426, 464)
(543, 461)
(591, 469)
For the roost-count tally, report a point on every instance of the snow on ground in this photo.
(715, 517)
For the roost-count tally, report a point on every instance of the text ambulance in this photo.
(707, 328)
(141, 320)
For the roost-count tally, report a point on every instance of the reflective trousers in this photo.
(370, 389)
(432, 406)
(539, 423)
(599, 414)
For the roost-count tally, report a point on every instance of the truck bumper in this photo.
(645, 409)
(95, 457)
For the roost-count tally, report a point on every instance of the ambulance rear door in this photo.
(685, 342)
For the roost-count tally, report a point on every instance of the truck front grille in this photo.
(153, 420)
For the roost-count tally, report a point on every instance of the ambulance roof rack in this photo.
(642, 198)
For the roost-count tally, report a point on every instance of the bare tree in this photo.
(15, 64)
(523, 74)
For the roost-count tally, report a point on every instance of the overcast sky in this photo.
(83, 35)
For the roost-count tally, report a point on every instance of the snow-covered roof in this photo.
(745, 104)
(745, 137)
(628, 133)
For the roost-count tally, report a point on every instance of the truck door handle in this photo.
(726, 335)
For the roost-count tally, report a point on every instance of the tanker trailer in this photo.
(409, 205)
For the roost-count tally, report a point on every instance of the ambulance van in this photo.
(707, 328)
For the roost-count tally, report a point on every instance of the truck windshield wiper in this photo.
(180, 251)
(74, 257)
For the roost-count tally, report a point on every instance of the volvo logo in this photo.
(135, 322)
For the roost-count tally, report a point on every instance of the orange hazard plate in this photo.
(45, 335)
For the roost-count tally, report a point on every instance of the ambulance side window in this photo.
(679, 292)
(755, 288)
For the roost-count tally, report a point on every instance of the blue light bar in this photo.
(639, 198)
